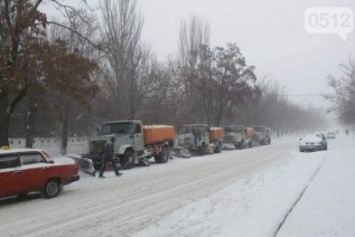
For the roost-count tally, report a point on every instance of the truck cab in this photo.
(129, 144)
(194, 137)
(129, 134)
(236, 135)
(262, 135)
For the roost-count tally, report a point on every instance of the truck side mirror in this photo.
(132, 135)
(98, 132)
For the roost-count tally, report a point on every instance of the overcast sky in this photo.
(270, 33)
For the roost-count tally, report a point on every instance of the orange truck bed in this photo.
(158, 133)
(216, 133)
(249, 132)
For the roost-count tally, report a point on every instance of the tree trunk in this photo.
(7, 109)
(30, 125)
(65, 128)
(4, 120)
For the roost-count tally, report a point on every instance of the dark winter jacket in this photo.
(109, 151)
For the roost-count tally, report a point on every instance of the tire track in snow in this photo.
(133, 197)
(110, 209)
(298, 199)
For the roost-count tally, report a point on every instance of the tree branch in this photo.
(69, 9)
(14, 103)
(77, 33)
(37, 4)
(7, 13)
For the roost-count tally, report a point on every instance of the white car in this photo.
(314, 142)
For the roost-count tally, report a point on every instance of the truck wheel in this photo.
(128, 160)
(52, 188)
(97, 165)
(241, 145)
(201, 150)
(163, 157)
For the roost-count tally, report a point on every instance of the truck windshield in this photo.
(259, 129)
(234, 129)
(185, 130)
(118, 128)
(193, 129)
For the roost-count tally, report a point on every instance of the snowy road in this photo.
(174, 199)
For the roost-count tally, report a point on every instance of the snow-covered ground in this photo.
(272, 202)
(264, 191)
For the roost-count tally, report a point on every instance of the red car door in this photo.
(10, 175)
(35, 171)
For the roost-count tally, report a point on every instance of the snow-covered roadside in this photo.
(328, 206)
(235, 193)
(257, 205)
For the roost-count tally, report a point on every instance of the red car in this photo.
(27, 170)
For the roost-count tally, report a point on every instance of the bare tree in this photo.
(163, 103)
(343, 102)
(127, 59)
(194, 35)
(276, 110)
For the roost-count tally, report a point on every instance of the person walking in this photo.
(109, 156)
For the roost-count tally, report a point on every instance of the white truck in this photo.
(201, 138)
(135, 143)
(262, 135)
(240, 136)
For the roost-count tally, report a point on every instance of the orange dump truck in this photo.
(201, 138)
(216, 135)
(135, 143)
(159, 140)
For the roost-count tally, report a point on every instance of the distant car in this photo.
(313, 142)
(331, 135)
(28, 170)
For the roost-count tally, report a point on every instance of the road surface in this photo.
(122, 206)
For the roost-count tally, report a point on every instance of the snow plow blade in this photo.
(144, 162)
(183, 153)
(85, 165)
